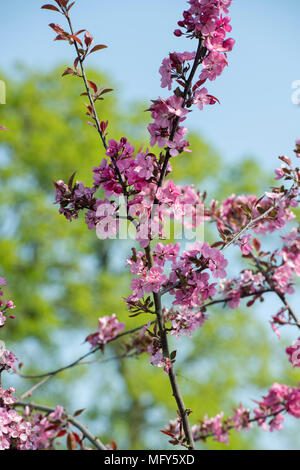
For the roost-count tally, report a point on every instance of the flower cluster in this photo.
(294, 352)
(269, 415)
(19, 432)
(204, 21)
(249, 282)
(204, 18)
(290, 259)
(189, 279)
(185, 321)
(73, 199)
(5, 305)
(237, 211)
(166, 115)
(7, 358)
(108, 329)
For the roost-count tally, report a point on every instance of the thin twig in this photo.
(80, 359)
(95, 115)
(35, 387)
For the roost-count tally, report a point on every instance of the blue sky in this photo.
(256, 115)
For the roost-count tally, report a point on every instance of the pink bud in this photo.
(178, 33)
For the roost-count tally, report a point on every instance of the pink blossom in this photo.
(201, 98)
(144, 166)
(294, 352)
(213, 66)
(293, 402)
(2, 319)
(245, 244)
(108, 329)
(185, 321)
(175, 106)
(154, 279)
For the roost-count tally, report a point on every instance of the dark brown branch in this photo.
(166, 353)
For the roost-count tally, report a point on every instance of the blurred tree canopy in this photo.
(62, 278)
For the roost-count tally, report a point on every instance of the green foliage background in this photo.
(63, 278)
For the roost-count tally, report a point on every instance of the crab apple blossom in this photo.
(294, 352)
(108, 329)
(135, 186)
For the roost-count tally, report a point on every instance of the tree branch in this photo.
(80, 359)
(166, 353)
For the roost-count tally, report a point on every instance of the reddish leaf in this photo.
(75, 38)
(98, 48)
(58, 29)
(71, 442)
(76, 437)
(198, 84)
(78, 412)
(180, 82)
(61, 433)
(70, 6)
(286, 160)
(60, 37)
(50, 7)
(250, 303)
(213, 99)
(114, 445)
(62, 2)
(256, 244)
(93, 85)
(71, 180)
(168, 433)
(106, 90)
(103, 126)
(88, 39)
(76, 61)
(68, 71)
